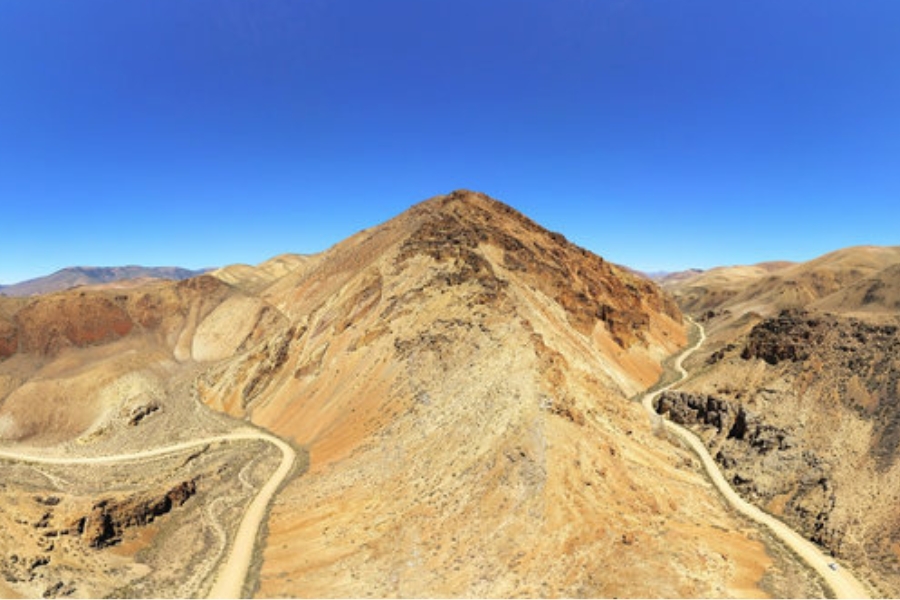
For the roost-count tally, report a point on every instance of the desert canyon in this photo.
(448, 404)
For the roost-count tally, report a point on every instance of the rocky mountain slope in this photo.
(91, 276)
(460, 380)
(799, 400)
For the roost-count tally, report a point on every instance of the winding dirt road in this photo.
(229, 582)
(842, 583)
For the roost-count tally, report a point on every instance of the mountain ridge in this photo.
(461, 379)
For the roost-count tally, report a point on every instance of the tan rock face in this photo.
(225, 329)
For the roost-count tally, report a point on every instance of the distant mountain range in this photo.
(80, 276)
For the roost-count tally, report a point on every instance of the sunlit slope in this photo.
(461, 378)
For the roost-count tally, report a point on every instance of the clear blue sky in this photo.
(660, 134)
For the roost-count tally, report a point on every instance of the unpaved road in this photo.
(841, 581)
(233, 571)
(229, 582)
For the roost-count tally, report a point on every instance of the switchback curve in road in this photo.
(841, 581)
(232, 574)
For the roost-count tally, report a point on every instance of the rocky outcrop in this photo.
(43, 561)
(109, 519)
(729, 418)
(763, 462)
(786, 337)
(17, 568)
(795, 334)
(141, 412)
(855, 356)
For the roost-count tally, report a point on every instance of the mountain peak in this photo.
(470, 205)
(485, 239)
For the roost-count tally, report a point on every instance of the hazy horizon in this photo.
(659, 136)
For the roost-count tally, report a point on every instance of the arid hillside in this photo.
(256, 278)
(699, 290)
(768, 288)
(459, 384)
(461, 379)
(796, 395)
(732, 300)
(91, 373)
(871, 295)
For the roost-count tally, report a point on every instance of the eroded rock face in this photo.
(819, 397)
(110, 518)
(858, 357)
(763, 462)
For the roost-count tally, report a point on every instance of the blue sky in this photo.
(660, 134)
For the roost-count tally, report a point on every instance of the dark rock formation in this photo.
(589, 288)
(110, 518)
(763, 462)
(139, 413)
(786, 337)
(842, 350)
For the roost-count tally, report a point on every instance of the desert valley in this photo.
(449, 404)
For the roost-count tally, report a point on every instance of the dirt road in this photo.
(841, 581)
(233, 571)
(229, 582)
